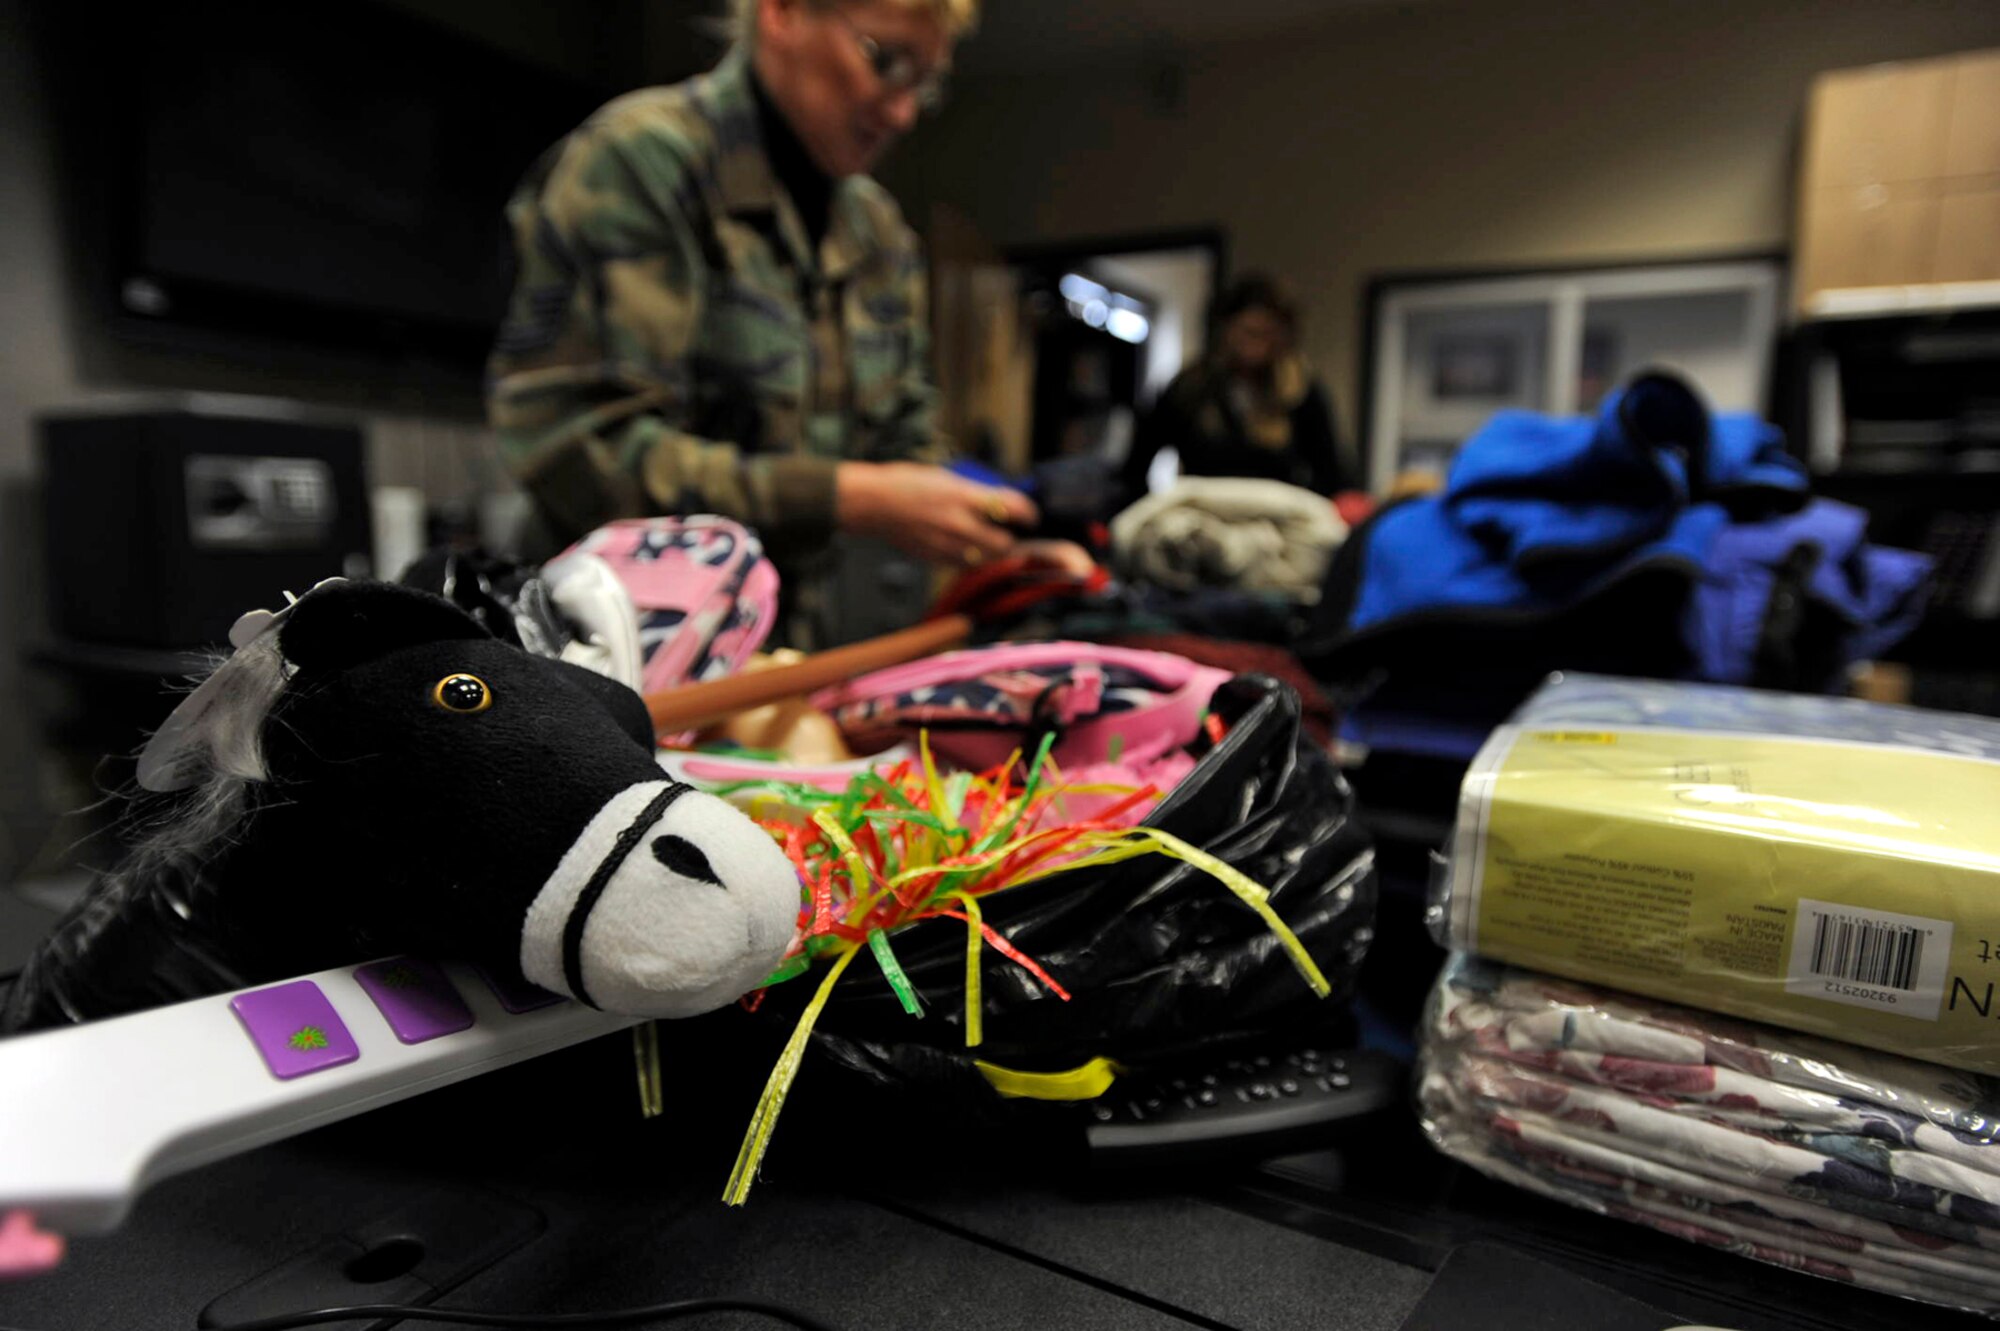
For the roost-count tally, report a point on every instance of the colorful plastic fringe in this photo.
(913, 844)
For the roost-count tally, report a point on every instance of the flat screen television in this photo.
(316, 176)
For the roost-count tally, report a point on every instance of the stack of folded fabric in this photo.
(1810, 1154)
(1231, 532)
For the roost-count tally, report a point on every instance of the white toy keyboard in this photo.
(93, 1114)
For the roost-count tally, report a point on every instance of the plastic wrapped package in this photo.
(1159, 959)
(1823, 864)
(1805, 1153)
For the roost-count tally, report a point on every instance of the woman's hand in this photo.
(928, 511)
(1066, 556)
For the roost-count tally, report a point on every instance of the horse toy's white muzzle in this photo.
(671, 903)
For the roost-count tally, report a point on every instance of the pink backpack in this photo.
(1103, 704)
(705, 595)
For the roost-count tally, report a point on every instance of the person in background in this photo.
(1249, 407)
(718, 311)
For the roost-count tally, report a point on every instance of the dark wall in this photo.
(56, 353)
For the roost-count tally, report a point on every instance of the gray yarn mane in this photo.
(218, 756)
(205, 777)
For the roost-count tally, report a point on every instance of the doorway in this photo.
(1053, 350)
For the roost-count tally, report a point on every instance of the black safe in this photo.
(161, 528)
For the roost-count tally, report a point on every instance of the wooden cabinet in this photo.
(1899, 188)
(1972, 141)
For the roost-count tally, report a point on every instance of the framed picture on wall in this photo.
(1444, 352)
(1474, 366)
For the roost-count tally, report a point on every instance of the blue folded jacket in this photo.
(1540, 512)
(1651, 539)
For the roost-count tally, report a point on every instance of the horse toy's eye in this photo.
(462, 693)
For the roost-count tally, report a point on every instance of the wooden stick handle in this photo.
(696, 705)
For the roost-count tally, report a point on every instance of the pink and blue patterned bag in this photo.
(705, 595)
(1103, 704)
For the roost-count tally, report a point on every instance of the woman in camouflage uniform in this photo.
(718, 311)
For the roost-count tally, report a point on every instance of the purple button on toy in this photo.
(295, 1029)
(517, 995)
(415, 997)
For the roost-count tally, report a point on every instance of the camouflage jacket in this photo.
(674, 345)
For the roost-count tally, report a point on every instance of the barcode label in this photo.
(1869, 958)
(1866, 952)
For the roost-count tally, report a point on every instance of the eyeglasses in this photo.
(897, 67)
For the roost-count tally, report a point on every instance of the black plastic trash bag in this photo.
(1160, 960)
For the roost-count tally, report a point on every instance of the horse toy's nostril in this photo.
(684, 858)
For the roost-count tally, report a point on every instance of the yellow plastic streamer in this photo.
(956, 788)
(1109, 847)
(858, 876)
(765, 1120)
(1094, 847)
(646, 1054)
(974, 1011)
(935, 784)
(1134, 841)
(1081, 1083)
(964, 863)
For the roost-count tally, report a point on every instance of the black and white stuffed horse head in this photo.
(373, 772)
